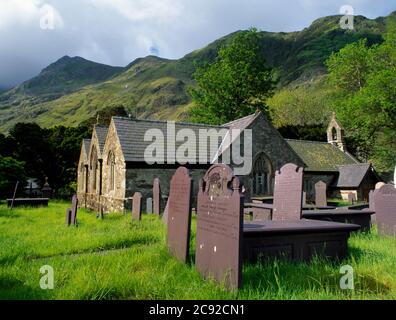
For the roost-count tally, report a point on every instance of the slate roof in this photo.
(320, 156)
(86, 144)
(131, 134)
(101, 133)
(351, 176)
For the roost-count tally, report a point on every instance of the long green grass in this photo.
(116, 258)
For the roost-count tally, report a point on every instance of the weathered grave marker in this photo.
(74, 210)
(179, 214)
(137, 206)
(68, 216)
(166, 213)
(320, 194)
(385, 210)
(288, 193)
(149, 205)
(219, 226)
(157, 197)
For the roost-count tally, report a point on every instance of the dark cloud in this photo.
(118, 31)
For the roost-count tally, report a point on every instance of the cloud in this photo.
(118, 31)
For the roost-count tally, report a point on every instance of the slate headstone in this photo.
(74, 210)
(137, 206)
(288, 193)
(166, 213)
(320, 194)
(149, 205)
(220, 226)
(385, 210)
(371, 200)
(157, 197)
(179, 214)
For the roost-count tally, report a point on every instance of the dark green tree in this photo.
(237, 84)
(11, 171)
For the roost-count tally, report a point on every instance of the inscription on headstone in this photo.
(179, 214)
(288, 193)
(320, 194)
(220, 226)
(137, 206)
(149, 205)
(385, 210)
(157, 196)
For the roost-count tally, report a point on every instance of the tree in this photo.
(11, 171)
(366, 99)
(236, 84)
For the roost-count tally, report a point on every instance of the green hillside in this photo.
(153, 87)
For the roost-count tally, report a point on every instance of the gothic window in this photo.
(262, 176)
(111, 164)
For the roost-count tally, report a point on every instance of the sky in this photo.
(35, 33)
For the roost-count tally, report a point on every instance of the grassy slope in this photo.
(157, 88)
(115, 258)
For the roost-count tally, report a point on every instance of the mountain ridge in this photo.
(155, 87)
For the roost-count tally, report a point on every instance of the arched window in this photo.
(262, 176)
(111, 164)
(94, 167)
(334, 134)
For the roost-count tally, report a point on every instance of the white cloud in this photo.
(118, 31)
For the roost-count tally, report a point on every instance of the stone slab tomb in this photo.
(288, 193)
(385, 210)
(137, 206)
(219, 227)
(157, 197)
(179, 214)
(320, 194)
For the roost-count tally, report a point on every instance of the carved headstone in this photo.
(166, 213)
(46, 190)
(179, 215)
(288, 193)
(73, 215)
(385, 210)
(379, 185)
(220, 226)
(371, 200)
(157, 196)
(149, 205)
(137, 206)
(320, 194)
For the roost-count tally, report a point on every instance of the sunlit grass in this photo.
(116, 258)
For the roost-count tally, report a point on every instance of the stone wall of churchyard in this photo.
(113, 181)
(141, 180)
(267, 140)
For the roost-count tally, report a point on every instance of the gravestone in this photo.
(179, 214)
(157, 197)
(68, 216)
(137, 206)
(351, 198)
(371, 200)
(73, 219)
(166, 213)
(46, 190)
(320, 194)
(149, 205)
(220, 226)
(385, 210)
(379, 185)
(288, 193)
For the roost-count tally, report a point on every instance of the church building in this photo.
(114, 165)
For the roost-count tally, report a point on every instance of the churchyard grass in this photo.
(117, 258)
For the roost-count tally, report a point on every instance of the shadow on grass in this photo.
(15, 289)
(9, 214)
